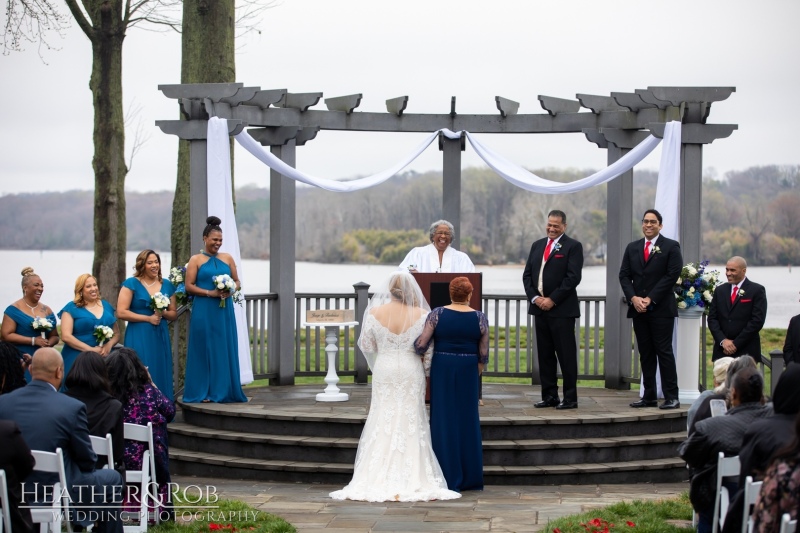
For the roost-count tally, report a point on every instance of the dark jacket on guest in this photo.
(105, 416)
(17, 461)
(720, 434)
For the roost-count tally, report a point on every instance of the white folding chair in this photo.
(5, 524)
(751, 490)
(102, 446)
(787, 524)
(144, 478)
(726, 466)
(51, 516)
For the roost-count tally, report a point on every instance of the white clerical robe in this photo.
(426, 259)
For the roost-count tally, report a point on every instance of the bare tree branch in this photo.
(31, 21)
(140, 138)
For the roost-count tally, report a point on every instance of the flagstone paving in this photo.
(497, 508)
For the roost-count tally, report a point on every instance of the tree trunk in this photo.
(207, 50)
(110, 234)
(207, 56)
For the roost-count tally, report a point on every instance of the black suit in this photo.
(17, 461)
(791, 348)
(555, 329)
(104, 414)
(50, 420)
(654, 278)
(739, 321)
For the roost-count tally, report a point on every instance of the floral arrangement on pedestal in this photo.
(695, 287)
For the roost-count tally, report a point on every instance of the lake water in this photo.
(59, 269)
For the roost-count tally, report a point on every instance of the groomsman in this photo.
(552, 273)
(650, 268)
(737, 313)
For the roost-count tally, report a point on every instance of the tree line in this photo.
(754, 213)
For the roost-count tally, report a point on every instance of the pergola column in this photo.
(451, 183)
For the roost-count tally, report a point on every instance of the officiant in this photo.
(438, 256)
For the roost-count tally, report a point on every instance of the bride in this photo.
(395, 460)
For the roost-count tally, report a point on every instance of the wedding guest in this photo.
(142, 402)
(19, 317)
(737, 313)
(17, 461)
(460, 338)
(12, 373)
(704, 409)
(650, 267)
(780, 492)
(550, 278)
(80, 320)
(212, 360)
(438, 256)
(719, 391)
(147, 332)
(721, 434)
(87, 381)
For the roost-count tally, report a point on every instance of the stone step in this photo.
(522, 452)
(186, 462)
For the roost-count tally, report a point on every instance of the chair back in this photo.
(726, 466)
(102, 446)
(53, 463)
(751, 490)
(145, 478)
(5, 524)
(787, 524)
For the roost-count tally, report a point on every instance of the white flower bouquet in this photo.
(102, 334)
(224, 282)
(159, 302)
(177, 276)
(42, 325)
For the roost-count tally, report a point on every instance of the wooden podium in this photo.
(436, 287)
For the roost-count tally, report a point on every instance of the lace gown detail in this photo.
(395, 460)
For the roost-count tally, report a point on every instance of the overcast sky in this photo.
(429, 50)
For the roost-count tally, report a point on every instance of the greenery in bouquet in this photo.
(103, 334)
(695, 287)
(41, 325)
(177, 276)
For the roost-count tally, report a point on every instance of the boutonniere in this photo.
(557, 247)
(656, 250)
(741, 293)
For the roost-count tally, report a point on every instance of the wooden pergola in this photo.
(618, 122)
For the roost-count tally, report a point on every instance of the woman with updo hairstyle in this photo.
(80, 318)
(460, 337)
(147, 332)
(212, 359)
(18, 318)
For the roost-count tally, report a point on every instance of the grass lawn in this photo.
(661, 516)
(224, 515)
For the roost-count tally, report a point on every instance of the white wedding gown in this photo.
(395, 461)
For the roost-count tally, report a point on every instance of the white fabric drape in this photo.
(220, 204)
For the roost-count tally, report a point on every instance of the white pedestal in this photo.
(688, 355)
(332, 392)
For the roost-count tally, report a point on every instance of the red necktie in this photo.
(733, 294)
(647, 250)
(547, 250)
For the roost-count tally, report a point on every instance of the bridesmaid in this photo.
(80, 317)
(17, 327)
(147, 333)
(212, 361)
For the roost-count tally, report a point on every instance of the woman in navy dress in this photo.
(147, 333)
(212, 360)
(460, 338)
(80, 317)
(18, 318)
